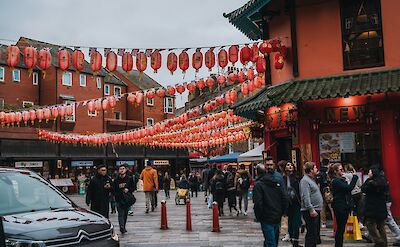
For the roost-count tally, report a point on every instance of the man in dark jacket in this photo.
(206, 181)
(122, 184)
(270, 203)
(98, 193)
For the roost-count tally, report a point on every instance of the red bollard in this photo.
(188, 216)
(164, 222)
(215, 218)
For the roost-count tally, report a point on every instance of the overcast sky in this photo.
(125, 23)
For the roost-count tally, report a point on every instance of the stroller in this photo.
(182, 192)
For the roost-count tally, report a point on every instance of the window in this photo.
(150, 121)
(27, 104)
(35, 78)
(106, 89)
(117, 115)
(150, 101)
(16, 75)
(1, 73)
(168, 105)
(82, 80)
(361, 34)
(1, 103)
(117, 91)
(67, 78)
(92, 113)
(98, 81)
(70, 118)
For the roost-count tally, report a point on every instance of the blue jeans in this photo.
(271, 234)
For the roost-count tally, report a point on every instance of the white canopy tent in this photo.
(252, 155)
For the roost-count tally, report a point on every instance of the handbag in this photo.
(128, 199)
(353, 231)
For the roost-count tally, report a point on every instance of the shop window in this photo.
(82, 80)
(67, 78)
(361, 34)
(1, 74)
(35, 78)
(16, 75)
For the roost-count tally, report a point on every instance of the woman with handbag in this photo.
(342, 201)
(292, 181)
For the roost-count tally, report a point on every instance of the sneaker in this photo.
(147, 210)
(245, 213)
(323, 225)
(361, 226)
(130, 213)
(237, 213)
(286, 238)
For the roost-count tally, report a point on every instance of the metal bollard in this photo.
(215, 226)
(188, 216)
(164, 222)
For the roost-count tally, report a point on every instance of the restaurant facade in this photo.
(338, 96)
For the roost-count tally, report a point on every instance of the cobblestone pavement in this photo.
(144, 229)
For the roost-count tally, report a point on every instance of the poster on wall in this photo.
(332, 145)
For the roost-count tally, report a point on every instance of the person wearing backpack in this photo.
(218, 190)
(242, 185)
(231, 190)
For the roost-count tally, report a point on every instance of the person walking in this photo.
(122, 184)
(292, 182)
(194, 184)
(375, 209)
(270, 203)
(311, 204)
(205, 175)
(356, 193)
(218, 190)
(231, 190)
(159, 187)
(342, 201)
(167, 184)
(150, 185)
(98, 193)
(324, 185)
(391, 223)
(242, 185)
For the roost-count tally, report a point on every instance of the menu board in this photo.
(332, 145)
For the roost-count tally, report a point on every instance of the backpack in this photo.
(230, 180)
(219, 186)
(244, 181)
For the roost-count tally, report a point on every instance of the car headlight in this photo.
(114, 235)
(23, 243)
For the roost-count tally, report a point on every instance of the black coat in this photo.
(194, 182)
(270, 202)
(97, 196)
(375, 190)
(341, 192)
(295, 185)
(218, 179)
(119, 186)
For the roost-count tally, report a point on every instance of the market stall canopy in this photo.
(295, 91)
(198, 160)
(252, 155)
(225, 158)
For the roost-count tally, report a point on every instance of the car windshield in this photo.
(25, 192)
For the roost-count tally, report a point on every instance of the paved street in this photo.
(144, 229)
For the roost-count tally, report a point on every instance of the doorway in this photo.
(284, 147)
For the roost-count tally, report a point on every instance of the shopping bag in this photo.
(352, 231)
(210, 201)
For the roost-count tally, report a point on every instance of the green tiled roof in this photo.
(361, 83)
(240, 18)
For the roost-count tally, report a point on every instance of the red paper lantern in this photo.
(127, 62)
(131, 98)
(233, 54)
(255, 52)
(278, 61)
(63, 59)
(54, 112)
(61, 111)
(105, 104)
(13, 55)
(180, 89)
(200, 84)
(172, 60)
(283, 50)
(155, 60)
(97, 105)
(250, 74)
(112, 101)
(276, 45)
(78, 60)
(250, 86)
(197, 60)
(47, 114)
(266, 47)
(160, 92)
(210, 83)
(141, 62)
(170, 90)
(209, 59)
(261, 65)
(39, 115)
(244, 89)
(30, 58)
(241, 76)
(245, 55)
(111, 61)
(25, 116)
(150, 94)
(233, 95)
(44, 61)
(191, 87)
(233, 77)
(257, 82)
(69, 110)
(222, 58)
(90, 106)
(221, 79)
(228, 98)
(95, 62)
(183, 61)
(18, 117)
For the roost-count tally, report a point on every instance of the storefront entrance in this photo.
(284, 147)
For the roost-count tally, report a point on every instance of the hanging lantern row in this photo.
(255, 53)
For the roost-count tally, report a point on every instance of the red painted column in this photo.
(308, 136)
(390, 142)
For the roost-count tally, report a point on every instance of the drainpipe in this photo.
(293, 34)
(265, 36)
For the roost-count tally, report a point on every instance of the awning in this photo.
(225, 158)
(198, 160)
(295, 91)
(252, 155)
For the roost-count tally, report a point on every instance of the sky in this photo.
(126, 24)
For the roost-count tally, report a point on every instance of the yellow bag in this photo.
(352, 231)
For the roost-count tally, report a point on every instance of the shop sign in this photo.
(345, 113)
(28, 164)
(161, 162)
(81, 163)
(128, 162)
(332, 145)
